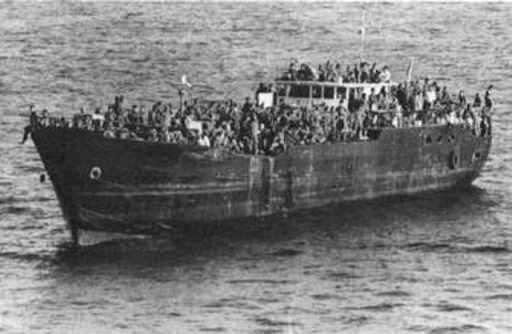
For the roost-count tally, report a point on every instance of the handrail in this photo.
(335, 84)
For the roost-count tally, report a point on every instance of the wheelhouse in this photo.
(311, 93)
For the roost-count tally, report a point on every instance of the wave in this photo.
(259, 281)
(26, 256)
(454, 248)
(234, 303)
(25, 199)
(429, 246)
(325, 296)
(393, 293)
(213, 329)
(467, 328)
(489, 249)
(342, 275)
(16, 210)
(379, 307)
(286, 253)
(504, 296)
(275, 323)
(448, 307)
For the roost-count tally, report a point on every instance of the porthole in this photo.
(95, 173)
(453, 160)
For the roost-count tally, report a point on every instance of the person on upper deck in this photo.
(337, 75)
(365, 75)
(356, 73)
(385, 75)
(374, 73)
(292, 71)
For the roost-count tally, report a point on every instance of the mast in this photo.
(362, 31)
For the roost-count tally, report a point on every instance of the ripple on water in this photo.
(500, 296)
(234, 303)
(489, 249)
(276, 323)
(213, 329)
(286, 252)
(380, 307)
(393, 293)
(326, 296)
(455, 248)
(261, 281)
(451, 307)
(340, 276)
(466, 328)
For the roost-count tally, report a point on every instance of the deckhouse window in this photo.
(299, 91)
(341, 92)
(328, 92)
(317, 92)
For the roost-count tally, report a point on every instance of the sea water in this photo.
(433, 263)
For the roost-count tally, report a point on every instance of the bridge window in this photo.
(299, 91)
(328, 92)
(317, 92)
(341, 92)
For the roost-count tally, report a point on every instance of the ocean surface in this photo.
(433, 263)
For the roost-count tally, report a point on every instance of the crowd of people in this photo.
(251, 128)
(333, 72)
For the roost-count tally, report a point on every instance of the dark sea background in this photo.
(432, 263)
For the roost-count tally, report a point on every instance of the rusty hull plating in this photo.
(127, 186)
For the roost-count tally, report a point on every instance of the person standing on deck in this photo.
(373, 101)
(97, 119)
(418, 106)
(462, 100)
(204, 140)
(365, 75)
(255, 133)
(487, 111)
(477, 102)
(489, 102)
(385, 75)
(33, 122)
(430, 98)
(374, 74)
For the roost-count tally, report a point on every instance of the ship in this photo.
(139, 187)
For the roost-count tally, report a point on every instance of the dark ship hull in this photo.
(129, 186)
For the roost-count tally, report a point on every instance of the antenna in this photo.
(409, 70)
(362, 31)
